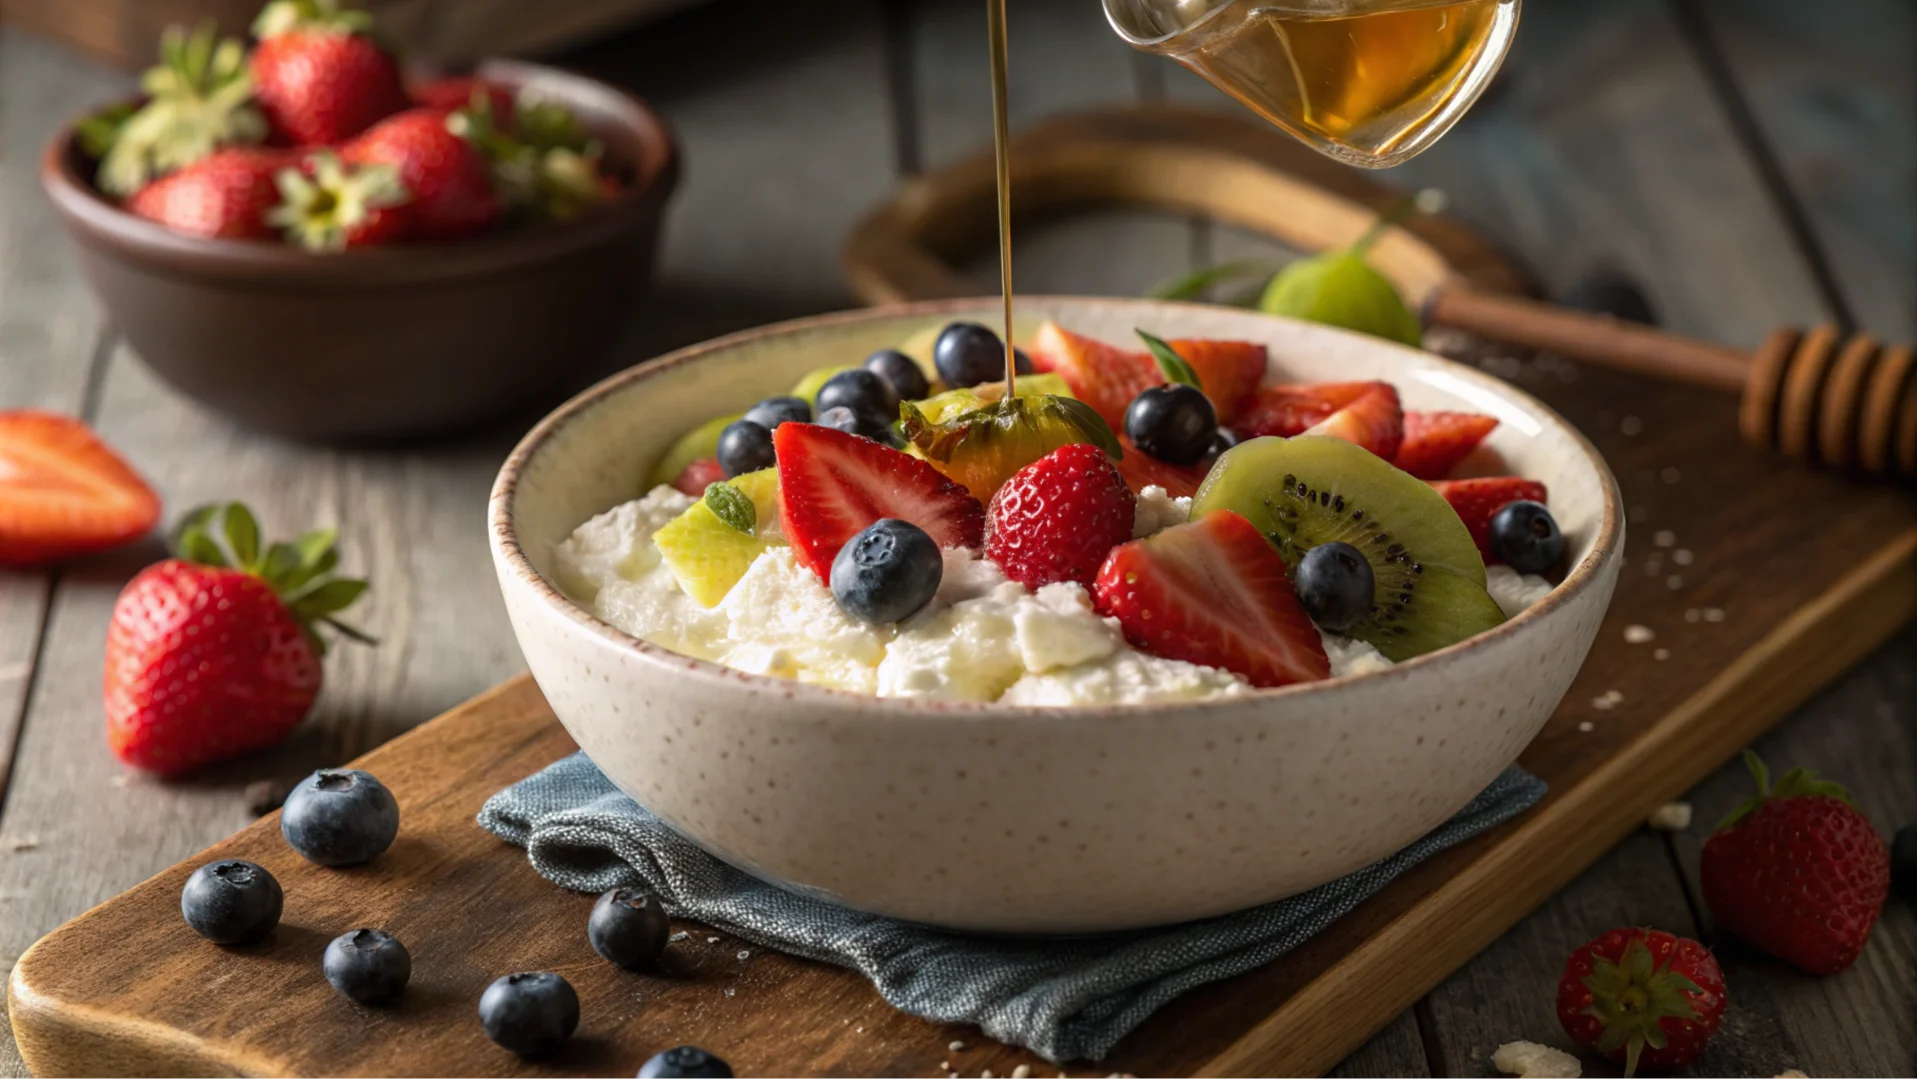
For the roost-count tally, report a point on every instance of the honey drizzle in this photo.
(995, 27)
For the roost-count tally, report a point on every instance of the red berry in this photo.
(832, 484)
(448, 184)
(225, 195)
(318, 77)
(1285, 411)
(1142, 470)
(1374, 420)
(1108, 378)
(698, 475)
(453, 94)
(1435, 442)
(1642, 996)
(1228, 371)
(1059, 517)
(1477, 501)
(63, 492)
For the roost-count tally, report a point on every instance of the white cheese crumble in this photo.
(618, 543)
(1514, 591)
(1158, 510)
(1529, 1060)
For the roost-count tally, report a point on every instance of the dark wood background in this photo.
(1749, 161)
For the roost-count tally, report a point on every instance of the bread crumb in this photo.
(1664, 538)
(680, 935)
(715, 940)
(945, 1065)
(1661, 654)
(1023, 1071)
(955, 1047)
(1671, 817)
(1635, 634)
(1611, 699)
(1587, 727)
(1529, 1060)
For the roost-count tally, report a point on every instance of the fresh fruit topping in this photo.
(628, 928)
(461, 91)
(1642, 996)
(833, 485)
(1903, 862)
(701, 441)
(228, 195)
(199, 99)
(698, 475)
(1174, 423)
(744, 447)
(1285, 411)
(340, 816)
(901, 373)
(858, 423)
(1797, 871)
(242, 620)
(1336, 585)
(1228, 371)
(531, 1013)
(1223, 440)
(1374, 421)
(368, 966)
(1104, 377)
(1339, 288)
(1212, 592)
(1059, 517)
(318, 75)
(952, 403)
(447, 178)
(232, 902)
(1526, 537)
(339, 206)
(983, 448)
(967, 354)
(887, 572)
(63, 492)
(712, 544)
(1476, 501)
(808, 387)
(1308, 491)
(685, 1062)
(1436, 442)
(861, 391)
(542, 159)
(1142, 470)
(773, 411)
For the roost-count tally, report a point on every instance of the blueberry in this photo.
(860, 424)
(1174, 423)
(773, 411)
(967, 354)
(886, 572)
(628, 927)
(339, 816)
(1903, 862)
(861, 391)
(368, 966)
(1224, 440)
(901, 372)
(745, 446)
(232, 902)
(530, 1013)
(1526, 536)
(1336, 585)
(1022, 363)
(685, 1062)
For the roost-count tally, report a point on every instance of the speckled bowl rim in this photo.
(506, 548)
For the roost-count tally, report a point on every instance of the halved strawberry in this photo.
(698, 475)
(1100, 375)
(1375, 421)
(1477, 501)
(1142, 470)
(63, 492)
(1213, 592)
(832, 484)
(1228, 371)
(1291, 410)
(1434, 442)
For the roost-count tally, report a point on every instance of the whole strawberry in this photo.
(1058, 517)
(198, 99)
(446, 178)
(1642, 996)
(330, 206)
(214, 653)
(227, 195)
(318, 75)
(1797, 871)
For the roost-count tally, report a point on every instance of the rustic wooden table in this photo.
(1750, 162)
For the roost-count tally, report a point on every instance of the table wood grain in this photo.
(1749, 161)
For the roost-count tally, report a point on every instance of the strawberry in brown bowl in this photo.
(291, 233)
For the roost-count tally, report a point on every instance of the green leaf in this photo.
(97, 133)
(730, 505)
(1088, 422)
(349, 632)
(326, 597)
(1170, 364)
(242, 534)
(195, 520)
(1191, 286)
(281, 560)
(197, 546)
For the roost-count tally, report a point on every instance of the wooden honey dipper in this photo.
(1844, 401)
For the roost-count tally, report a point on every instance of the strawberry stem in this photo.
(1797, 783)
(226, 535)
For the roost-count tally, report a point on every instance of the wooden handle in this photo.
(1599, 339)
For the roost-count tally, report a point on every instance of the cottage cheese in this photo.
(981, 638)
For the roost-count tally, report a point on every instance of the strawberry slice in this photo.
(1213, 592)
(1375, 421)
(832, 484)
(1477, 501)
(1291, 410)
(1434, 442)
(1142, 470)
(63, 492)
(1228, 371)
(698, 475)
(1100, 375)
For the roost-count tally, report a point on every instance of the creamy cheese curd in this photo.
(981, 638)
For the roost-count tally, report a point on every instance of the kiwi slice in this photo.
(1309, 490)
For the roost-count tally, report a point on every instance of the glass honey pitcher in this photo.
(1369, 82)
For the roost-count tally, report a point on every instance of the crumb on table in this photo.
(1529, 1060)
(1671, 817)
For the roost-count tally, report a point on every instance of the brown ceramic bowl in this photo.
(385, 342)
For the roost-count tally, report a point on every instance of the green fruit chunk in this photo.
(707, 554)
(1341, 289)
(941, 407)
(701, 441)
(808, 387)
(986, 446)
(1309, 490)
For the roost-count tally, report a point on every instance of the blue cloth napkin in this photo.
(1063, 998)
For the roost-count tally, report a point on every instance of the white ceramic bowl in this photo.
(1003, 819)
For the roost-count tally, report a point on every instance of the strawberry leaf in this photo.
(197, 546)
(1170, 364)
(326, 597)
(242, 535)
